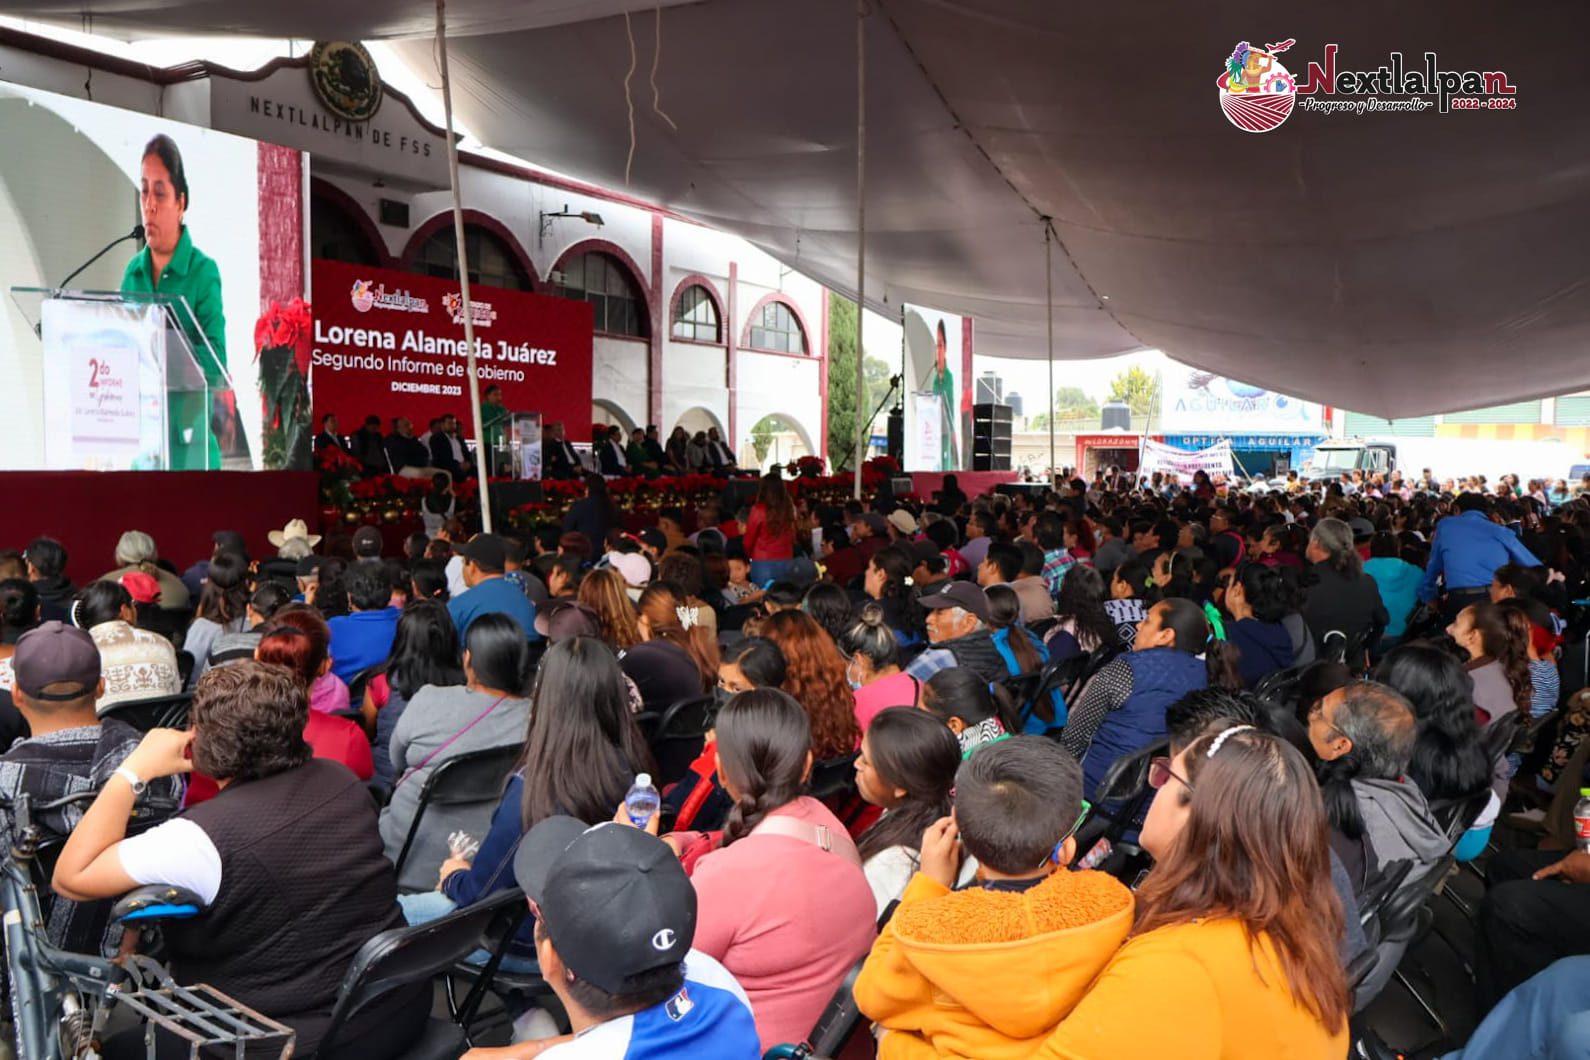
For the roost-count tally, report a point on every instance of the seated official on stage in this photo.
(559, 460)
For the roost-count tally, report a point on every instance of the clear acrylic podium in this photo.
(124, 380)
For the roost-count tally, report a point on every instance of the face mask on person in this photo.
(850, 676)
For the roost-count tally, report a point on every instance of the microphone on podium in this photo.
(136, 233)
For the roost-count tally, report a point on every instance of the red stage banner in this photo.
(391, 343)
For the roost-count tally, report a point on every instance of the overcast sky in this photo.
(1030, 379)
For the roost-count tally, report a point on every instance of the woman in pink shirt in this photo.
(873, 669)
(770, 532)
(783, 903)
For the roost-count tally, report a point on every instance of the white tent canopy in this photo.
(1398, 264)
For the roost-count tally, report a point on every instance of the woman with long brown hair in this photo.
(1497, 643)
(1235, 946)
(770, 532)
(815, 676)
(677, 656)
(604, 591)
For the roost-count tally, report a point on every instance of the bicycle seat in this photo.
(157, 901)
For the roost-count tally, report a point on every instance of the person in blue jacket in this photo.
(1467, 550)
(1023, 653)
(1399, 583)
(1257, 600)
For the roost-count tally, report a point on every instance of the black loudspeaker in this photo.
(896, 432)
(506, 496)
(739, 493)
(991, 437)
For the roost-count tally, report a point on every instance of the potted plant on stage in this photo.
(282, 343)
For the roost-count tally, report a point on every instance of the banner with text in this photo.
(391, 344)
(1160, 457)
(1199, 402)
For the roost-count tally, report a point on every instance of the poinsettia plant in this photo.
(282, 344)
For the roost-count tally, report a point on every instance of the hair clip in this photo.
(688, 616)
(1214, 747)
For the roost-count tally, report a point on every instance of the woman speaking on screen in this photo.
(169, 264)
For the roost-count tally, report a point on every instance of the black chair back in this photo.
(679, 736)
(1072, 684)
(157, 712)
(358, 683)
(185, 665)
(841, 1018)
(833, 777)
(467, 779)
(1456, 816)
(1118, 806)
(405, 956)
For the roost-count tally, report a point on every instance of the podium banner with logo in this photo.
(104, 385)
(390, 343)
(924, 449)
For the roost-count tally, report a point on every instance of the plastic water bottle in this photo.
(642, 802)
(1581, 820)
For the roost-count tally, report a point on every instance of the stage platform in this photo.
(87, 511)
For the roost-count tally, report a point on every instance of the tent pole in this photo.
(1048, 285)
(861, 235)
(481, 463)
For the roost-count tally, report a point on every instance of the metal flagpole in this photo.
(1048, 284)
(481, 462)
(861, 233)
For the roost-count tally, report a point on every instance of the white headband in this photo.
(1222, 738)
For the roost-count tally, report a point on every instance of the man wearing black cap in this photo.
(485, 561)
(71, 750)
(615, 918)
(957, 627)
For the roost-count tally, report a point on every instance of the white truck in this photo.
(1447, 458)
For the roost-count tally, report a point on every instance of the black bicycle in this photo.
(61, 1002)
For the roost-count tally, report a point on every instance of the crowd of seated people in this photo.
(869, 789)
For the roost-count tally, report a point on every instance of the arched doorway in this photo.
(607, 413)
(775, 439)
(698, 419)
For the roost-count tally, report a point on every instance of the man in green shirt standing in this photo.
(169, 264)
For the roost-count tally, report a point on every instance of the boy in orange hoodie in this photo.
(987, 972)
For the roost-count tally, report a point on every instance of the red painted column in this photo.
(281, 228)
(731, 337)
(659, 316)
(822, 380)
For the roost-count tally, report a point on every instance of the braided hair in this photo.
(764, 756)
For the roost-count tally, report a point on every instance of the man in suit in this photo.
(455, 442)
(561, 461)
(440, 447)
(719, 457)
(329, 436)
(610, 451)
(405, 453)
(370, 447)
(654, 448)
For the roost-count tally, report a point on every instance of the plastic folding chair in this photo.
(406, 956)
(470, 778)
(157, 712)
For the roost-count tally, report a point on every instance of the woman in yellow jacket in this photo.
(1234, 953)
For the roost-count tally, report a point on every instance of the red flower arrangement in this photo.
(287, 326)
(282, 345)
